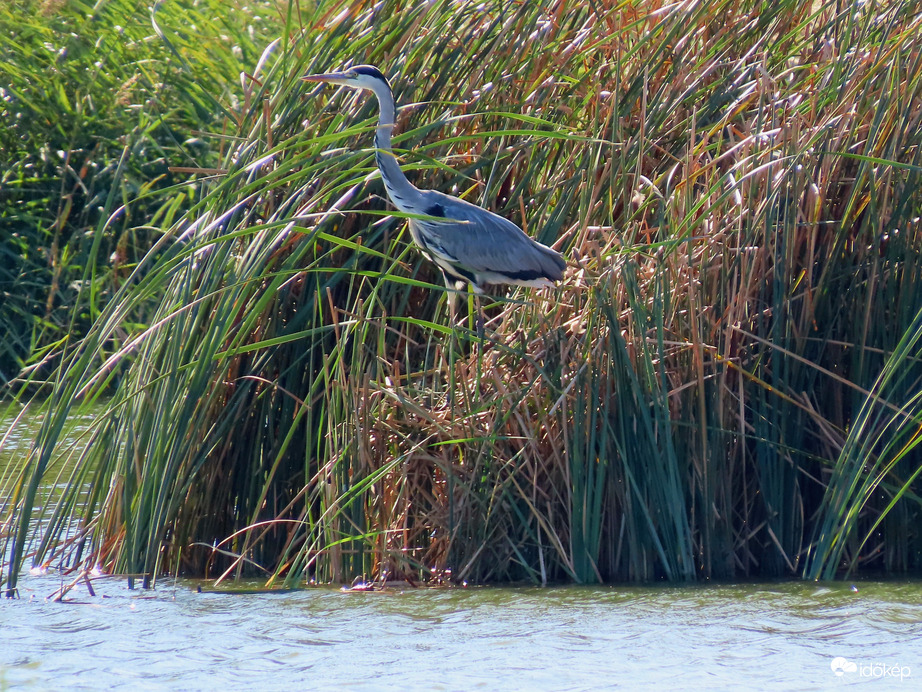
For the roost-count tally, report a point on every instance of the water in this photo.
(777, 636)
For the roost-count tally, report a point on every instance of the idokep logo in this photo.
(841, 665)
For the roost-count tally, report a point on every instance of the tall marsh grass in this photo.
(725, 385)
(94, 113)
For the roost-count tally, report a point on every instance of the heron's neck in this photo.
(402, 193)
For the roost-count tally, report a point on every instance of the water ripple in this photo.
(578, 638)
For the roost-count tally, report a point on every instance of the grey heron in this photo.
(469, 244)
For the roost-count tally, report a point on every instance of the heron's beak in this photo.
(330, 77)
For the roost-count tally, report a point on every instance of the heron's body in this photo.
(468, 243)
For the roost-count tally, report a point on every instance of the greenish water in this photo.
(726, 637)
(777, 636)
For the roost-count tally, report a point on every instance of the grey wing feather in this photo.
(485, 243)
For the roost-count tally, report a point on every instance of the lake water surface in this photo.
(766, 636)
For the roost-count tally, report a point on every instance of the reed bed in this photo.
(726, 384)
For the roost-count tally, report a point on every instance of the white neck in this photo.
(401, 191)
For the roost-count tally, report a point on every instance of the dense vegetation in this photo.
(94, 110)
(727, 383)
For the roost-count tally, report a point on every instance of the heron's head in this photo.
(358, 77)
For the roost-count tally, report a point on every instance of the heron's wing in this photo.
(479, 241)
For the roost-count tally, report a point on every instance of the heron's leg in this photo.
(481, 325)
(451, 295)
(452, 299)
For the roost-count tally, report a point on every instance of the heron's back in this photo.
(478, 246)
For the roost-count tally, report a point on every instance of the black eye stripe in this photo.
(368, 71)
